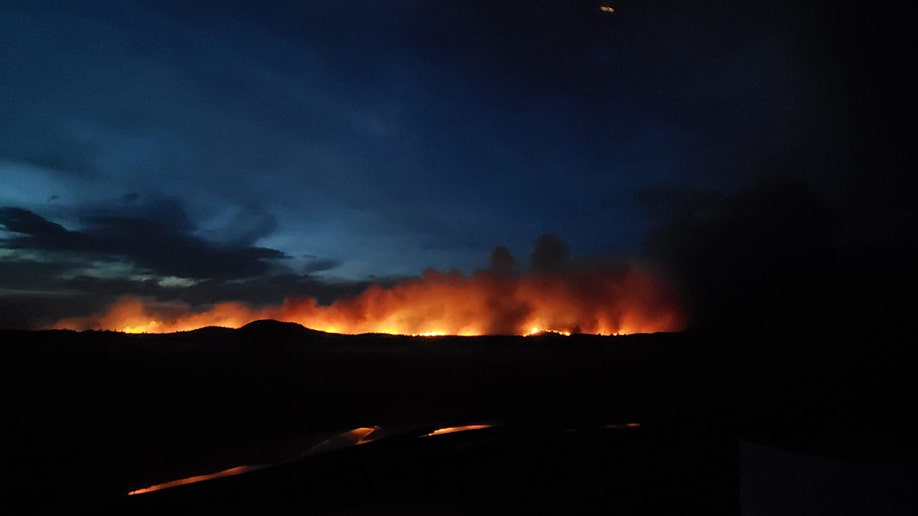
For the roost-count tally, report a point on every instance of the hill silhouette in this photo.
(271, 328)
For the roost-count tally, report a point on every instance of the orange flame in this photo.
(599, 302)
(238, 470)
(456, 429)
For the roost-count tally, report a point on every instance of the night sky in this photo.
(758, 154)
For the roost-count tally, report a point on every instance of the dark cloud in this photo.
(262, 290)
(163, 246)
(165, 211)
(18, 220)
(318, 265)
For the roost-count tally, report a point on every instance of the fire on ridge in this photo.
(600, 301)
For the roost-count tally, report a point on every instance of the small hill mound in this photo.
(276, 329)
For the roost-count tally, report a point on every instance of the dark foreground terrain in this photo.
(645, 424)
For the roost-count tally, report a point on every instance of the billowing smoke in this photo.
(762, 258)
(502, 261)
(555, 295)
(549, 255)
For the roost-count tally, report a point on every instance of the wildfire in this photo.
(603, 302)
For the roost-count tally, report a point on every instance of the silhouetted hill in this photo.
(269, 328)
(212, 331)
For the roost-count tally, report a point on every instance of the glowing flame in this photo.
(605, 302)
(353, 437)
(238, 470)
(455, 429)
(607, 9)
(149, 327)
(535, 330)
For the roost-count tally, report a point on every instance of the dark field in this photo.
(88, 417)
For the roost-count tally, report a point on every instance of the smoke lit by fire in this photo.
(602, 301)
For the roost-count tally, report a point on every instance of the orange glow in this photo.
(238, 470)
(454, 429)
(605, 302)
(607, 9)
(537, 331)
(353, 437)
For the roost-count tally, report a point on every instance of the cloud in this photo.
(163, 245)
(145, 246)
(18, 220)
(319, 265)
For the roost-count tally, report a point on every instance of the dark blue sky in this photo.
(250, 150)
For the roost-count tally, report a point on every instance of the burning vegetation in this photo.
(553, 297)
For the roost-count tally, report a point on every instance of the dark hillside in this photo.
(90, 416)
